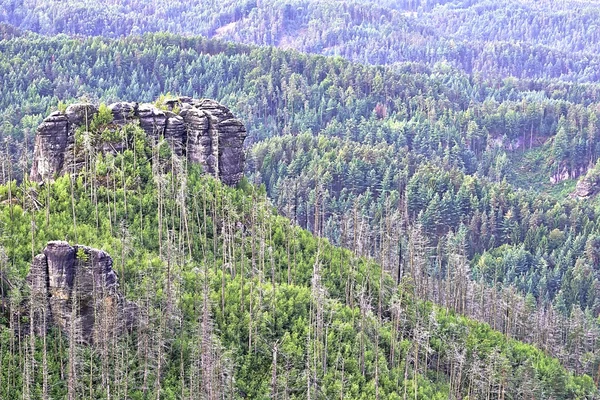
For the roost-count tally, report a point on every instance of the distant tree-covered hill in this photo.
(526, 39)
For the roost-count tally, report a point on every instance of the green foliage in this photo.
(266, 283)
(62, 107)
(417, 165)
(161, 101)
(468, 122)
(102, 118)
(82, 255)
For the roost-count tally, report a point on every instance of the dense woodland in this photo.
(237, 302)
(435, 166)
(520, 38)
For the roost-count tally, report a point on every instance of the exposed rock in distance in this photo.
(586, 187)
(202, 130)
(565, 174)
(78, 290)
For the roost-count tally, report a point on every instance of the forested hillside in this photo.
(236, 301)
(521, 38)
(435, 110)
(363, 155)
(444, 154)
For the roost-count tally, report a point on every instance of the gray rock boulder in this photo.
(176, 133)
(584, 189)
(79, 291)
(152, 120)
(123, 112)
(588, 185)
(50, 145)
(199, 142)
(80, 114)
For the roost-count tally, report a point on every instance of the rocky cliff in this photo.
(203, 131)
(585, 188)
(76, 288)
(588, 185)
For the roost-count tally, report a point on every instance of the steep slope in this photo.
(433, 142)
(236, 300)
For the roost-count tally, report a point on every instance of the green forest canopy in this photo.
(240, 302)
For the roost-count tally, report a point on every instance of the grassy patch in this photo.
(530, 172)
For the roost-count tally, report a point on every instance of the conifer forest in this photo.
(300, 199)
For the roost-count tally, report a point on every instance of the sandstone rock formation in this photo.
(76, 288)
(588, 185)
(584, 189)
(203, 131)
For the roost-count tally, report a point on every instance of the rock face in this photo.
(203, 131)
(586, 187)
(76, 288)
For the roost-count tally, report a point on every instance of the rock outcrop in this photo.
(588, 185)
(203, 131)
(75, 288)
(585, 188)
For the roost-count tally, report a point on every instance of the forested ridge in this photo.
(236, 301)
(433, 149)
(433, 109)
(521, 38)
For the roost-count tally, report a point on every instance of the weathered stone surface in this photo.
(231, 158)
(199, 143)
(78, 288)
(81, 114)
(123, 112)
(586, 187)
(50, 146)
(152, 120)
(39, 311)
(175, 133)
(202, 130)
(38, 275)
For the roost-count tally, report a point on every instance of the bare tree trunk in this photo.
(44, 354)
(274, 394)
(72, 367)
